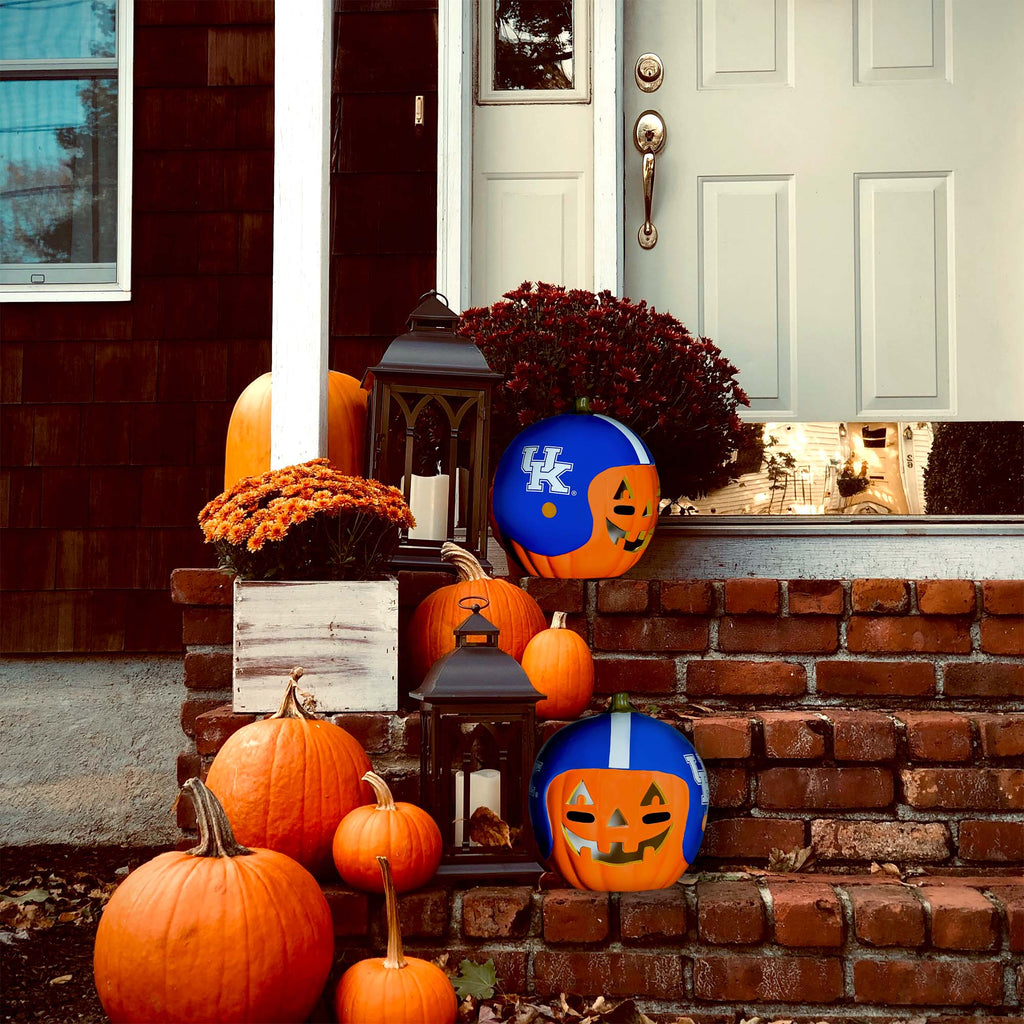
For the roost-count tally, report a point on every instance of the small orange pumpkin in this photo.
(397, 989)
(432, 628)
(560, 665)
(287, 780)
(220, 933)
(247, 450)
(404, 833)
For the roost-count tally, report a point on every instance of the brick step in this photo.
(937, 788)
(774, 945)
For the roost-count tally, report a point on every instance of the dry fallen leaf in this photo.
(487, 829)
(885, 869)
(62, 980)
(794, 860)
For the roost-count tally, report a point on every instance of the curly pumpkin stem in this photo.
(291, 706)
(385, 801)
(215, 836)
(395, 960)
(465, 563)
(558, 620)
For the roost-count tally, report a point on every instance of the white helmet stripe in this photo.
(618, 742)
(642, 458)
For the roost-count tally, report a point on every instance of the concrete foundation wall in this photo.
(88, 749)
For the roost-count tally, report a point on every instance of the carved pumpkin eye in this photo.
(623, 491)
(584, 817)
(655, 817)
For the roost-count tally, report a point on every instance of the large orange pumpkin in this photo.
(398, 989)
(404, 833)
(431, 631)
(218, 933)
(247, 451)
(287, 781)
(560, 665)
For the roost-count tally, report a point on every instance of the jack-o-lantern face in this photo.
(618, 829)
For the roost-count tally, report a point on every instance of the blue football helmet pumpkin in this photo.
(619, 801)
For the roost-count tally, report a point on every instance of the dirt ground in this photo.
(50, 903)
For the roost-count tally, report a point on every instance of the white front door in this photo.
(839, 202)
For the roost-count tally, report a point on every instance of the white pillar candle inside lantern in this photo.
(484, 791)
(428, 501)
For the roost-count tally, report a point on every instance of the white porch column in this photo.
(302, 121)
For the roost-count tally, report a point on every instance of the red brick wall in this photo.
(856, 749)
(114, 414)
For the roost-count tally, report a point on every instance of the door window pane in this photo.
(58, 172)
(883, 468)
(533, 44)
(57, 29)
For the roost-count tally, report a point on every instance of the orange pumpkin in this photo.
(247, 451)
(559, 664)
(397, 989)
(287, 780)
(431, 631)
(216, 933)
(404, 833)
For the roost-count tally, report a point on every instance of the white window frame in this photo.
(579, 93)
(118, 290)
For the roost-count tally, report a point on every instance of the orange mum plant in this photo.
(306, 522)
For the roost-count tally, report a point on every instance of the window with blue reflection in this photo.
(58, 176)
(57, 29)
(59, 142)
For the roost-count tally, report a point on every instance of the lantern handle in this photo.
(473, 607)
(436, 294)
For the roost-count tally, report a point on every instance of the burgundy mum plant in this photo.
(644, 368)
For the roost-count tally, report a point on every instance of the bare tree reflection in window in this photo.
(533, 44)
(58, 197)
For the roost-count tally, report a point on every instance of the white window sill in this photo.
(66, 293)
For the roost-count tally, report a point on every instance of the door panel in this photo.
(838, 201)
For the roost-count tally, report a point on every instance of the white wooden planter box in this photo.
(344, 634)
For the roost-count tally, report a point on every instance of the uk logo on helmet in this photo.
(547, 470)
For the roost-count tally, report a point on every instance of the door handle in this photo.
(648, 137)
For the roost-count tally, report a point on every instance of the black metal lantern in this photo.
(477, 716)
(429, 434)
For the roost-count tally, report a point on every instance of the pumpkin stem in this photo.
(291, 706)
(395, 959)
(215, 836)
(620, 702)
(385, 801)
(558, 620)
(465, 563)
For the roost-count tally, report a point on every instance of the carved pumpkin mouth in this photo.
(615, 854)
(616, 533)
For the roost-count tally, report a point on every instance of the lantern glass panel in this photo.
(480, 757)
